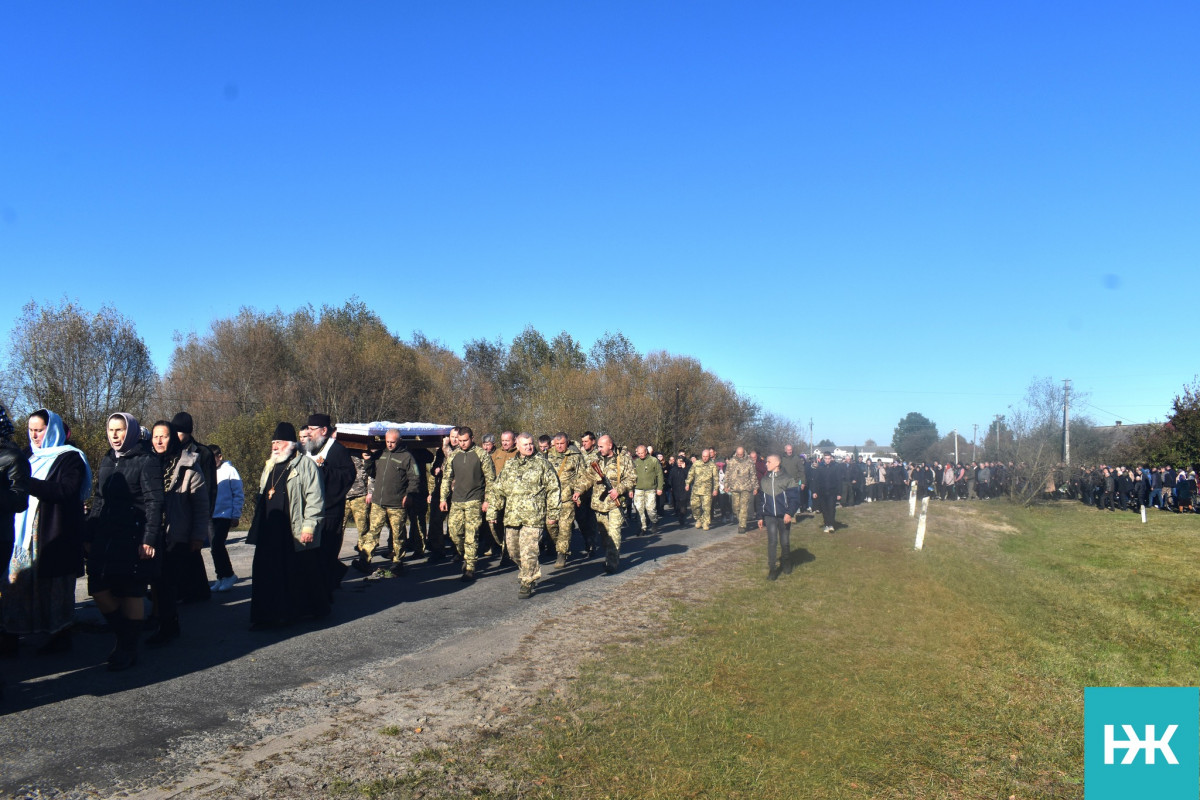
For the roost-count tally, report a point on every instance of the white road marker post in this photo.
(1143, 515)
(921, 523)
(912, 500)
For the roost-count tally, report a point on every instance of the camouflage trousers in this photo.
(609, 527)
(358, 511)
(396, 520)
(560, 529)
(645, 508)
(702, 501)
(463, 523)
(741, 507)
(522, 543)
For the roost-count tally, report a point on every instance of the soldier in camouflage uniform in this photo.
(569, 468)
(586, 515)
(357, 507)
(500, 457)
(741, 482)
(396, 480)
(617, 466)
(466, 481)
(436, 524)
(702, 483)
(527, 493)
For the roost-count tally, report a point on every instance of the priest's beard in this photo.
(279, 458)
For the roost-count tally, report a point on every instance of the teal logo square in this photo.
(1141, 742)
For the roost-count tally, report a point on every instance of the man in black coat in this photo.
(338, 473)
(826, 482)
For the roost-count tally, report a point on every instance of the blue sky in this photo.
(849, 210)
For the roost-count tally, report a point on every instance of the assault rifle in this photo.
(608, 487)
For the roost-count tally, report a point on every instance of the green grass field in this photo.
(874, 671)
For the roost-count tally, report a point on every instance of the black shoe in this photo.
(8, 645)
(362, 565)
(609, 569)
(787, 566)
(773, 574)
(468, 576)
(525, 592)
(168, 631)
(58, 643)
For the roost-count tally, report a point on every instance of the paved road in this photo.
(67, 722)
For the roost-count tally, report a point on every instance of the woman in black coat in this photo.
(48, 553)
(14, 499)
(123, 535)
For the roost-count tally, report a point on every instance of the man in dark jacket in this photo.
(776, 504)
(826, 482)
(338, 473)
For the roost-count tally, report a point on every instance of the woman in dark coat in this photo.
(123, 535)
(48, 552)
(14, 499)
(679, 492)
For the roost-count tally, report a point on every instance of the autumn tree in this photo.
(83, 366)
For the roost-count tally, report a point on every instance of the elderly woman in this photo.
(14, 499)
(288, 577)
(185, 524)
(48, 537)
(123, 535)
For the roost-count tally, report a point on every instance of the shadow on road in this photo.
(217, 632)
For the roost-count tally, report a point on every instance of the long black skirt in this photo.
(287, 585)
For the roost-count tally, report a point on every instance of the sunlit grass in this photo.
(877, 671)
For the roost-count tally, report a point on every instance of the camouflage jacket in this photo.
(569, 468)
(702, 477)
(480, 492)
(527, 491)
(618, 468)
(740, 475)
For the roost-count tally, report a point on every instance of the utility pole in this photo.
(974, 435)
(1067, 422)
(956, 445)
(998, 417)
(811, 444)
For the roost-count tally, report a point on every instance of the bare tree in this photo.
(82, 365)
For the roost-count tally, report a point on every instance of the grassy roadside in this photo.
(875, 671)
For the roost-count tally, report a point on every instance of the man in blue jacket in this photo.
(778, 500)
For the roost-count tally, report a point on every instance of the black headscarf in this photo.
(133, 434)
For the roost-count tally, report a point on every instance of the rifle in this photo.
(608, 487)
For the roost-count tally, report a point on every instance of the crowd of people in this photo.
(160, 497)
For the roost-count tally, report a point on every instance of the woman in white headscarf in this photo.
(48, 537)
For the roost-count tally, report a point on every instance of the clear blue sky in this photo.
(850, 210)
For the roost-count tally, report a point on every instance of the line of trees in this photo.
(246, 372)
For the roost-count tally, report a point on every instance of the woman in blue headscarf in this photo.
(48, 538)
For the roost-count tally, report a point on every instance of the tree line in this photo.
(248, 371)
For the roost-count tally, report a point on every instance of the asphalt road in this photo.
(69, 726)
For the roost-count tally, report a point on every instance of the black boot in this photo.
(168, 631)
(126, 654)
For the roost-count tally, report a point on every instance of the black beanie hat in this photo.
(183, 422)
(284, 432)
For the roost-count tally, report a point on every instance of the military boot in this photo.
(561, 561)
